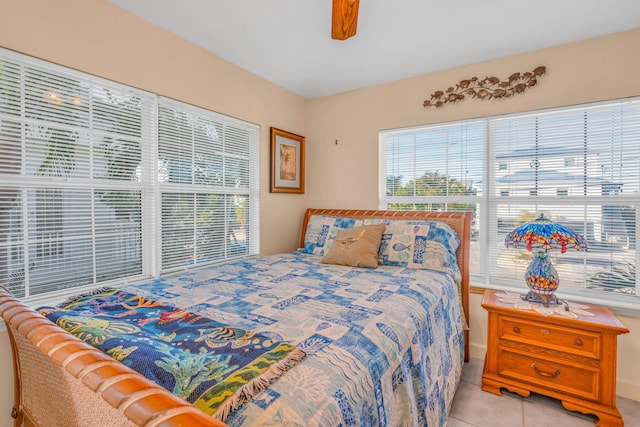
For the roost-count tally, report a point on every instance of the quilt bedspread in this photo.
(384, 346)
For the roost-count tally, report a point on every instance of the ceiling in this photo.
(288, 42)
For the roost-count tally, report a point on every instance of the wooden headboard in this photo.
(460, 222)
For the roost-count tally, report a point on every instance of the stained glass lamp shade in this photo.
(540, 236)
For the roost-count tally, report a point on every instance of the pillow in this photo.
(321, 231)
(357, 247)
(419, 244)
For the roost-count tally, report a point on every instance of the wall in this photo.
(97, 37)
(592, 70)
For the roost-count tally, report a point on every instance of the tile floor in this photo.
(473, 407)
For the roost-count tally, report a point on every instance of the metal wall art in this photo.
(487, 88)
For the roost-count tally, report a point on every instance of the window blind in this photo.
(72, 177)
(436, 168)
(103, 184)
(578, 165)
(207, 169)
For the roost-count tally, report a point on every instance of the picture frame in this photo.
(287, 162)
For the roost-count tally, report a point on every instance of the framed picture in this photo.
(287, 162)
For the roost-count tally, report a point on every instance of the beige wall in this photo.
(346, 174)
(97, 37)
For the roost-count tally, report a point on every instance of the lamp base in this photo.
(542, 278)
(541, 298)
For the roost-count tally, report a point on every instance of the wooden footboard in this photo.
(62, 381)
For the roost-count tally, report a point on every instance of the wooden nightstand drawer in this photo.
(579, 381)
(568, 358)
(553, 337)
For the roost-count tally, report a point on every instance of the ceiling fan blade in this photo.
(344, 19)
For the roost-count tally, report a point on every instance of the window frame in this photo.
(147, 183)
(493, 195)
(200, 190)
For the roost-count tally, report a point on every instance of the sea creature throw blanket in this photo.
(214, 366)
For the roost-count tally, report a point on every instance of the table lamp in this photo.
(540, 236)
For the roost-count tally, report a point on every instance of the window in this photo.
(86, 167)
(208, 185)
(598, 194)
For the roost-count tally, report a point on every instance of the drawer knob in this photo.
(545, 374)
(516, 329)
(578, 342)
(545, 331)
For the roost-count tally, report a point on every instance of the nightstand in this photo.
(573, 360)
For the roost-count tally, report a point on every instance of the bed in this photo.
(372, 346)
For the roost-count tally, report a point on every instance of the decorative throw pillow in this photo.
(419, 244)
(357, 247)
(321, 231)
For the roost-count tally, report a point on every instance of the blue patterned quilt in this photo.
(384, 346)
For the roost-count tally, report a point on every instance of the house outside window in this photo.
(84, 186)
(596, 195)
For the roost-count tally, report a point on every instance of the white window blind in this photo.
(105, 184)
(579, 166)
(207, 169)
(436, 168)
(72, 177)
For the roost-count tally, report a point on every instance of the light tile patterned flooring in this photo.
(473, 407)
